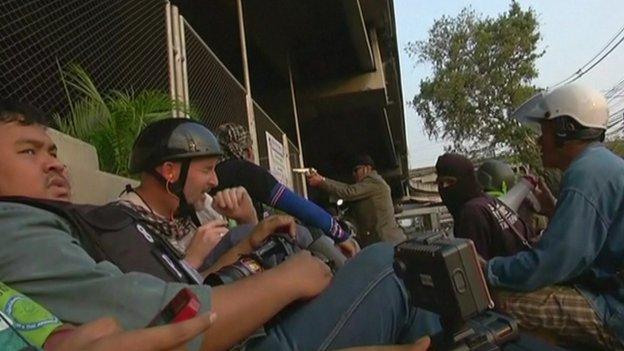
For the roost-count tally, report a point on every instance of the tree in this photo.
(616, 145)
(482, 70)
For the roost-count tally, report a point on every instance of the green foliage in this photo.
(482, 70)
(616, 145)
(112, 122)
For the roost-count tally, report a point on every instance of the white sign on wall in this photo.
(277, 159)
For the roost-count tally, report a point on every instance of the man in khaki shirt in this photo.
(371, 201)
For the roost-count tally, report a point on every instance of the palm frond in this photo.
(110, 122)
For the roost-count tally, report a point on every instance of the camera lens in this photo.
(242, 268)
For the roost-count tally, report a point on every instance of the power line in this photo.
(615, 122)
(615, 91)
(597, 62)
(583, 70)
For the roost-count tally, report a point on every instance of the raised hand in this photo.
(272, 225)
(206, 238)
(235, 203)
(315, 179)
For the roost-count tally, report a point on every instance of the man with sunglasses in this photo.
(371, 201)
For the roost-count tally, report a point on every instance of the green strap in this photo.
(495, 193)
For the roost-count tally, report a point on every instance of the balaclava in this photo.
(467, 186)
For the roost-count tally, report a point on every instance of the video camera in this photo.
(275, 250)
(443, 276)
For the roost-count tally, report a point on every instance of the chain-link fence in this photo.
(217, 97)
(214, 93)
(121, 44)
(270, 145)
(265, 125)
(266, 130)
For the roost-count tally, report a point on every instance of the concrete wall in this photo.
(89, 184)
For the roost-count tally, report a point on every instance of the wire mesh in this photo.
(217, 97)
(214, 94)
(121, 44)
(264, 124)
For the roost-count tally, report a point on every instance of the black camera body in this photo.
(275, 249)
(443, 275)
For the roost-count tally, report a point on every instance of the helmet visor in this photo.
(532, 111)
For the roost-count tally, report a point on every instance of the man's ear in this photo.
(169, 170)
(250, 154)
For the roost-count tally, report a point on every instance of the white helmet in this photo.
(585, 105)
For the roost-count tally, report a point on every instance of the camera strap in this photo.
(513, 229)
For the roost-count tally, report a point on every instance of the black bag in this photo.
(114, 233)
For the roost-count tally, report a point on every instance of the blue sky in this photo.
(572, 33)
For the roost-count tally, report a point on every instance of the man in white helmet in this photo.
(568, 285)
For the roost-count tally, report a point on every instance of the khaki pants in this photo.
(559, 312)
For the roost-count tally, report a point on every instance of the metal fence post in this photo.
(184, 66)
(178, 79)
(248, 97)
(287, 164)
(304, 185)
(171, 52)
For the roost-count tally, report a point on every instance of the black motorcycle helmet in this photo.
(173, 139)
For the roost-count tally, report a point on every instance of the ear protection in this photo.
(567, 129)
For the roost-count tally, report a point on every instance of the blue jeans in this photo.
(366, 304)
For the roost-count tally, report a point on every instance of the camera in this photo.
(442, 275)
(275, 250)
(272, 252)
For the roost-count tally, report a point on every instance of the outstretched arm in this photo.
(307, 212)
(568, 246)
(106, 334)
(349, 192)
(270, 225)
(247, 304)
